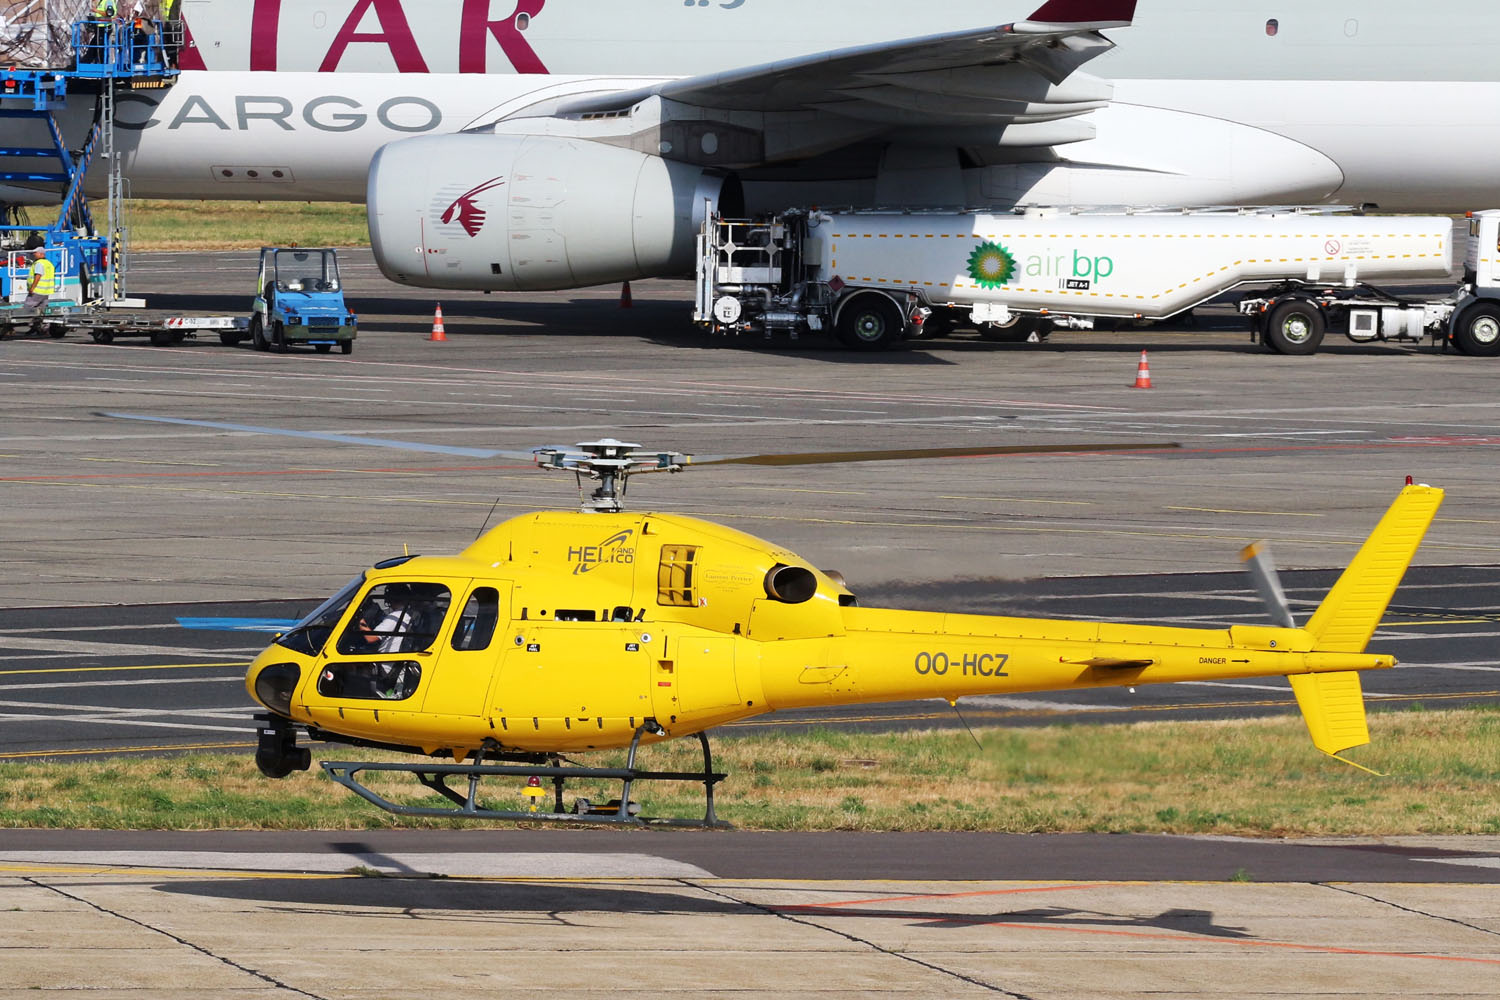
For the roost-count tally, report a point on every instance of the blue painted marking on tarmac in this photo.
(439, 449)
(238, 624)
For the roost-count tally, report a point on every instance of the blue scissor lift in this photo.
(91, 263)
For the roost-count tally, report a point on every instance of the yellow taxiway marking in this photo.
(142, 461)
(729, 516)
(101, 751)
(77, 869)
(147, 666)
(1068, 503)
(208, 488)
(1439, 621)
(783, 489)
(1267, 513)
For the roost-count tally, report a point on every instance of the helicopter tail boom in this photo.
(888, 655)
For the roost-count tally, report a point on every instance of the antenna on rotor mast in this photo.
(610, 463)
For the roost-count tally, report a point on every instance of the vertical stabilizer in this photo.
(1347, 617)
(1333, 706)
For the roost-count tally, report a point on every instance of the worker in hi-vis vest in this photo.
(40, 286)
(98, 33)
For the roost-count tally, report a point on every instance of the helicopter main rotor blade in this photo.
(1257, 559)
(900, 454)
(357, 439)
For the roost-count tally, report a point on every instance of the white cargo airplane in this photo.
(557, 143)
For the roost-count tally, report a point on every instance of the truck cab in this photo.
(299, 299)
(1475, 328)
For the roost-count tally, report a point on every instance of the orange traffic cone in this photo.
(437, 325)
(1143, 374)
(625, 296)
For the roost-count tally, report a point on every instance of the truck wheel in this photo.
(103, 337)
(346, 346)
(57, 330)
(162, 338)
(258, 335)
(870, 323)
(1478, 331)
(278, 337)
(1296, 326)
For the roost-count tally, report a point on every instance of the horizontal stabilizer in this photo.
(1333, 706)
(1347, 617)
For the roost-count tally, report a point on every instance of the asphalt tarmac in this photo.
(608, 913)
(92, 681)
(146, 485)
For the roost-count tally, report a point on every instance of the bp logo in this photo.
(991, 265)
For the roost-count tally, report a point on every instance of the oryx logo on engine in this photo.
(467, 211)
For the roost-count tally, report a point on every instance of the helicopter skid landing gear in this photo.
(466, 805)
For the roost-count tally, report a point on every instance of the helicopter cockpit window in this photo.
(383, 680)
(674, 576)
(396, 618)
(310, 634)
(307, 271)
(476, 624)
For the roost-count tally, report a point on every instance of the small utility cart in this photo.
(299, 299)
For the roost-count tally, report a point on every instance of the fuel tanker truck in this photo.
(874, 278)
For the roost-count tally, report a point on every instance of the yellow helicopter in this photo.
(557, 633)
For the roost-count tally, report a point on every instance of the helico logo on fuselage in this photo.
(614, 550)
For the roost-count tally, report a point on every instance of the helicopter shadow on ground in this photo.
(1188, 922)
(528, 900)
(400, 895)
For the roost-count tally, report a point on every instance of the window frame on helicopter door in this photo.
(468, 661)
(385, 635)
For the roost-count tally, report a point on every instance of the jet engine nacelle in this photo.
(530, 213)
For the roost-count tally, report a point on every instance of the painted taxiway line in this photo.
(605, 864)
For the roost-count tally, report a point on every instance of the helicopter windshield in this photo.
(309, 635)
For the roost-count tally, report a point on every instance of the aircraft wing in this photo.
(1025, 72)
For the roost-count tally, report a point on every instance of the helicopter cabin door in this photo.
(699, 681)
(466, 664)
(573, 678)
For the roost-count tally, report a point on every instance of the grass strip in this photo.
(244, 225)
(1258, 777)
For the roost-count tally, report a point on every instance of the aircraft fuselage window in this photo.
(674, 576)
(476, 624)
(396, 618)
(1272, 26)
(576, 615)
